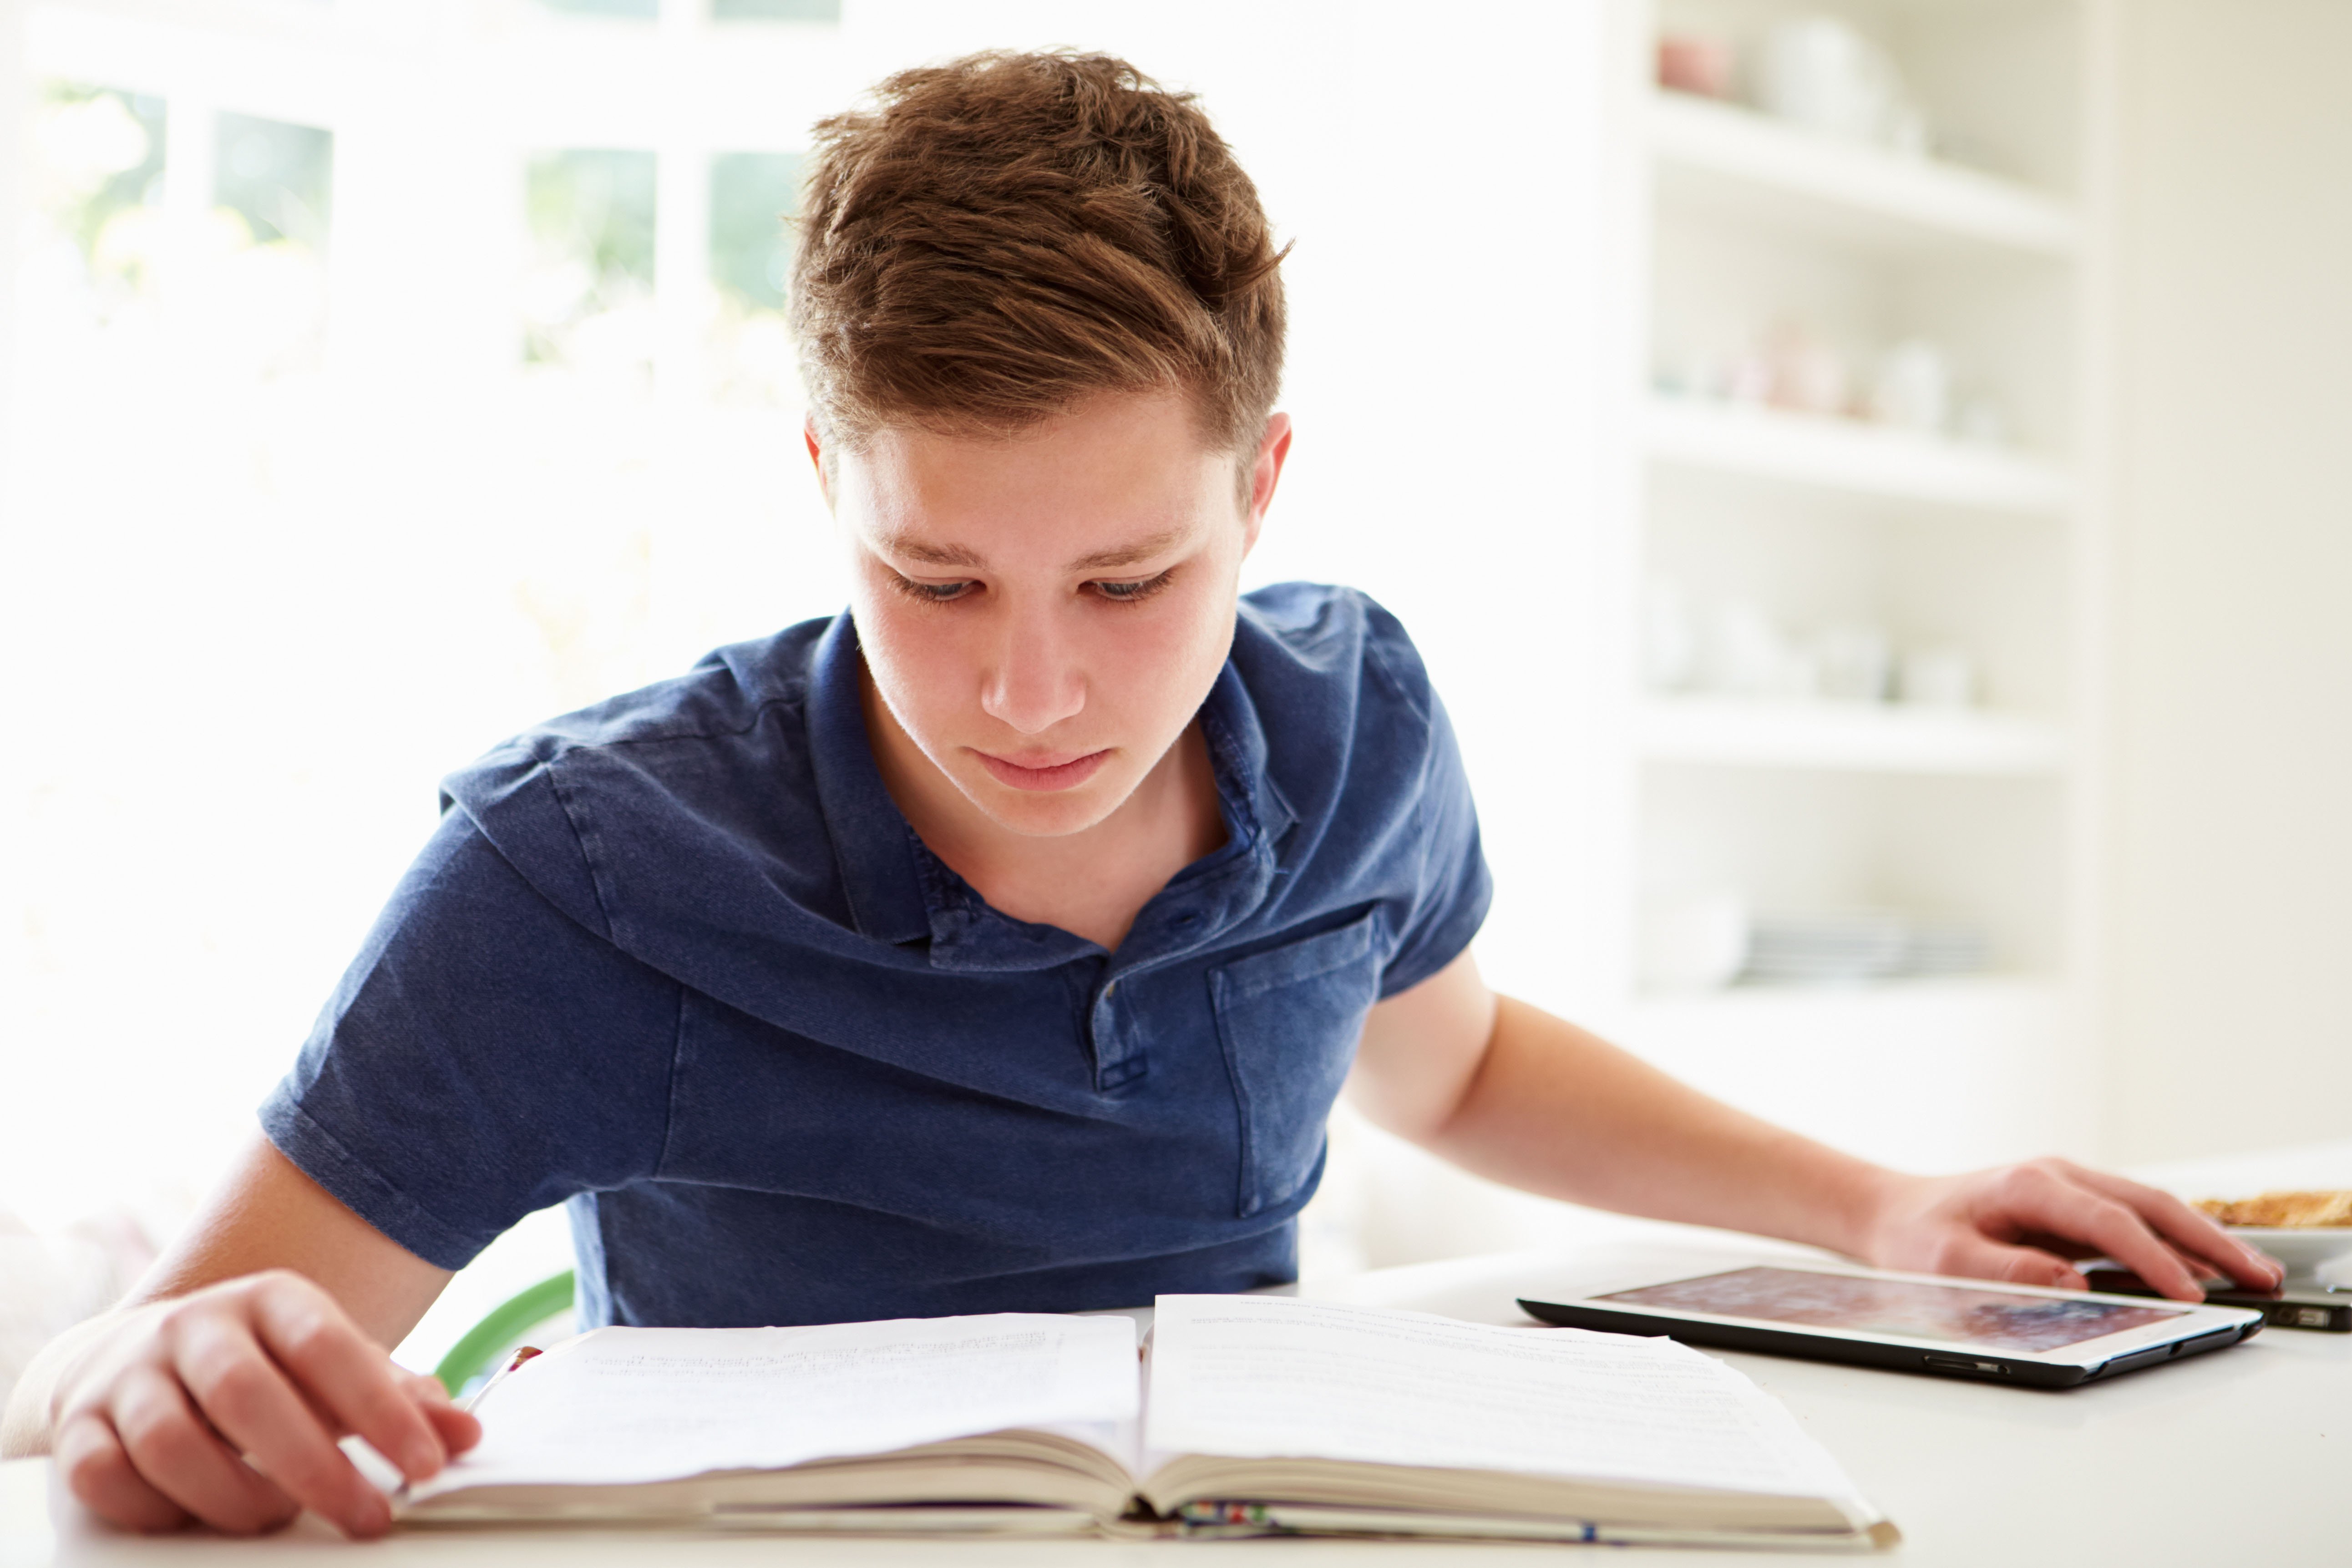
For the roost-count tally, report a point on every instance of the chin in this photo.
(1046, 815)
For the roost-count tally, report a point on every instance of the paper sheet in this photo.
(641, 1404)
(1261, 1377)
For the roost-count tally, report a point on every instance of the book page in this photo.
(1264, 1377)
(642, 1405)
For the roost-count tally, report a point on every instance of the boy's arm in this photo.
(217, 1391)
(1513, 1093)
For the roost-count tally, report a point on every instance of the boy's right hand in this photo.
(224, 1405)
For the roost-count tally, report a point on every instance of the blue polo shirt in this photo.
(677, 960)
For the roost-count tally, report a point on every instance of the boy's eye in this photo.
(930, 593)
(1128, 593)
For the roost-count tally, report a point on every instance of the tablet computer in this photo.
(1912, 1322)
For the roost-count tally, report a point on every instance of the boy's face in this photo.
(1043, 616)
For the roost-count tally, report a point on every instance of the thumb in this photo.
(1980, 1258)
(458, 1430)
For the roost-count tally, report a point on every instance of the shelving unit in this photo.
(1851, 458)
(1739, 733)
(1744, 224)
(1846, 193)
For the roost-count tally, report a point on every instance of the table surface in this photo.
(2237, 1456)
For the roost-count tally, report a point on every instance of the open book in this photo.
(1246, 1414)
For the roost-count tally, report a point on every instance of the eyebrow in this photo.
(1143, 549)
(1101, 561)
(930, 554)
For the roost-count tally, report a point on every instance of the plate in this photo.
(2303, 1248)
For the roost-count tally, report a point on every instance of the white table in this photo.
(2242, 1456)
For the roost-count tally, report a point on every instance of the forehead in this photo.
(1116, 472)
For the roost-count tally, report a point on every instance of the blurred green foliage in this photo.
(751, 196)
(598, 204)
(281, 178)
(106, 168)
(591, 212)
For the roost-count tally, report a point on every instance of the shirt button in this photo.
(1108, 989)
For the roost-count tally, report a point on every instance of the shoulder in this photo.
(712, 765)
(1314, 645)
(728, 694)
(1351, 727)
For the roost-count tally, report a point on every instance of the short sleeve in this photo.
(484, 1056)
(1452, 886)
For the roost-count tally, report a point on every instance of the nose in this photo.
(1034, 681)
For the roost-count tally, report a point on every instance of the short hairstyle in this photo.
(996, 238)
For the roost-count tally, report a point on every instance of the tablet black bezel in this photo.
(1888, 1354)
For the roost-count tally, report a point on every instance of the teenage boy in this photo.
(1000, 944)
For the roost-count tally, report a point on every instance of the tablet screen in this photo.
(1955, 1314)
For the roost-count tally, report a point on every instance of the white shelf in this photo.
(1854, 193)
(1848, 456)
(1847, 736)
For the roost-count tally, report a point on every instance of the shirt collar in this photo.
(899, 892)
(872, 844)
(1255, 809)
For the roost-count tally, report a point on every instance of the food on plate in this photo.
(2284, 1211)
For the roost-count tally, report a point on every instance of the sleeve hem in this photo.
(1433, 953)
(318, 1155)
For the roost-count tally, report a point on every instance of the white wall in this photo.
(11, 164)
(2230, 909)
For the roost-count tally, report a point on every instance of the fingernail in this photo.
(424, 1457)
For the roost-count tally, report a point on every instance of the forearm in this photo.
(1556, 1109)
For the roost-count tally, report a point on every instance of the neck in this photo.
(1092, 883)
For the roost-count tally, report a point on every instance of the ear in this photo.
(1273, 450)
(816, 455)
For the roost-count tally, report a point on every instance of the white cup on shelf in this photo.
(1821, 74)
(1944, 677)
(1856, 663)
(1914, 388)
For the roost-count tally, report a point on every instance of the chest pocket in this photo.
(1289, 1020)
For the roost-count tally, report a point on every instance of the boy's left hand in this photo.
(2028, 1223)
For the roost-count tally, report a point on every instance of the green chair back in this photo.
(501, 1326)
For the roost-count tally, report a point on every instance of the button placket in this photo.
(1118, 1056)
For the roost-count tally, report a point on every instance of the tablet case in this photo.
(1990, 1366)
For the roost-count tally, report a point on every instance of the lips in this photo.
(1055, 773)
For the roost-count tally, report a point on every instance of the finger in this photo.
(1979, 1257)
(91, 1460)
(177, 1452)
(2054, 1201)
(457, 1429)
(2198, 1235)
(348, 1373)
(246, 1395)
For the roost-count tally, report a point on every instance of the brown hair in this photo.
(997, 237)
